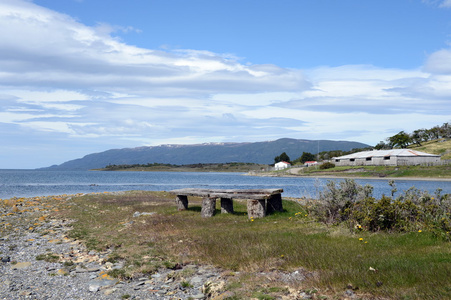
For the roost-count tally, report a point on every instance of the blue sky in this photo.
(84, 76)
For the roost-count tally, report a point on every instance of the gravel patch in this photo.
(39, 261)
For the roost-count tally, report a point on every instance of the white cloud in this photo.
(440, 3)
(60, 79)
(439, 62)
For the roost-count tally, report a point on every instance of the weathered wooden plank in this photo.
(204, 192)
(191, 192)
(241, 196)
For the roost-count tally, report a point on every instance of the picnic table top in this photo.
(228, 193)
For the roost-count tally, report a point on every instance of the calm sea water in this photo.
(29, 183)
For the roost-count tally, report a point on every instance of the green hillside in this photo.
(440, 147)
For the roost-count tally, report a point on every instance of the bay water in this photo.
(31, 183)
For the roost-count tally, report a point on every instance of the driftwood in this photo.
(260, 202)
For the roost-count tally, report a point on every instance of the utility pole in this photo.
(317, 157)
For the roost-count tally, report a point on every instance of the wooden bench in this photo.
(260, 202)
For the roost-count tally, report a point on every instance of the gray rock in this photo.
(137, 214)
(196, 280)
(93, 288)
(110, 291)
(118, 266)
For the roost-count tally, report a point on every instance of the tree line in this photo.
(403, 139)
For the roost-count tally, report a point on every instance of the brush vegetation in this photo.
(330, 242)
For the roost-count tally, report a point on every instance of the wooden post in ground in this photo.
(182, 202)
(208, 207)
(274, 203)
(256, 209)
(226, 206)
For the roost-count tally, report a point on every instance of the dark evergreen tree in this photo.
(400, 139)
(282, 157)
(306, 156)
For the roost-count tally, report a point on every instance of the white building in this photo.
(282, 165)
(392, 157)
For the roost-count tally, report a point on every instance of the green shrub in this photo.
(384, 214)
(335, 199)
(413, 210)
(327, 165)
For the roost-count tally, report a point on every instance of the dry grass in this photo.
(439, 147)
(408, 266)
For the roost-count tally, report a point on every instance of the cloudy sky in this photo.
(84, 76)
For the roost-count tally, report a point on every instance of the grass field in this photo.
(414, 265)
(383, 171)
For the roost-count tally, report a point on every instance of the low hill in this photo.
(258, 152)
(440, 147)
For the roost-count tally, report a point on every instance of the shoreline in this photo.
(353, 177)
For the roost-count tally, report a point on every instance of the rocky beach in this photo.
(39, 261)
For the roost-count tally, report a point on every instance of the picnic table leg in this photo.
(274, 203)
(256, 208)
(182, 202)
(208, 207)
(226, 206)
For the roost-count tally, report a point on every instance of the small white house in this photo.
(282, 165)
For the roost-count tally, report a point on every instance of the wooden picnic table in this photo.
(260, 202)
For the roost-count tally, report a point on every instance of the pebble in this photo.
(25, 277)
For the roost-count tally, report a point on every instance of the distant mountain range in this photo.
(258, 152)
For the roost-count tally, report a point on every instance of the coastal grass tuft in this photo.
(48, 257)
(409, 265)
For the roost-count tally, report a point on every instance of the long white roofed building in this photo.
(392, 157)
